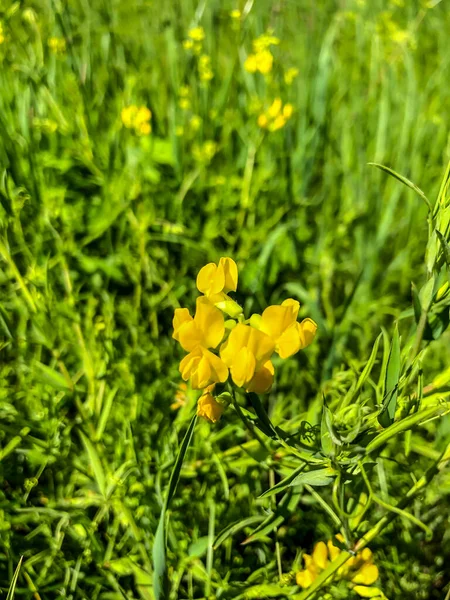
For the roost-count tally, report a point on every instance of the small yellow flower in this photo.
(184, 103)
(195, 123)
(235, 14)
(213, 279)
(359, 570)
(246, 353)
(2, 33)
(250, 63)
(57, 45)
(208, 407)
(137, 118)
(281, 325)
(197, 34)
(288, 109)
(188, 44)
(290, 75)
(180, 396)
(263, 121)
(196, 335)
(275, 108)
(264, 61)
(204, 68)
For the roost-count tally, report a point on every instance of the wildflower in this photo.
(276, 116)
(204, 68)
(359, 570)
(205, 152)
(290, 75)
(208, 407)
(261, 59)
(247, 352)
(184, 101)
(213, 279)
(180, 396)
(137, 118)
(57, 45)
(197, 335)
(2, 33)
(195, 123)
(281, 325)
(235, 14)
(197, 34)
(188, 44)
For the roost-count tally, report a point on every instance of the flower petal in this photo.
(368, 592)
(263, 379)
(209, 408)
(190, 336)
(236, 340)
(320, 555)
(243, 367)
(189, 364)
(180, 317)
(210, 279)
(209, 320)
(307, 330)
(367, 574)
(276, 319)
(231, 274)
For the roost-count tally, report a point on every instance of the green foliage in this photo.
(102, 232)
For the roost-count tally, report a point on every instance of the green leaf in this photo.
(387, 414)
(445, 247)
(317, 477)
(325, 432)
(233, 528)
(48, 375)
(160, 581)
(95, 463)
(274, 520)
(12, 587)
(404, 180)
(284, 483)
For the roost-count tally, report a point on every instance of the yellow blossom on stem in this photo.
(359, 570)
(208, 407)
(197, 34)
(247, 352)
(213, 279)
(281, 325)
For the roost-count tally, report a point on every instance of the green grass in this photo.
(102, 233)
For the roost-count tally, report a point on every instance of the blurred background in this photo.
(140, 140)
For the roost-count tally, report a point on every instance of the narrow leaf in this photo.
(386, 417)
(12, 587)
(95, 463)
(404, 180)
(234, 528)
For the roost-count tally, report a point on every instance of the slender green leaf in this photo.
(404, 180)
(387, 415)
(12, 587)
(95, 463)
(233, 528)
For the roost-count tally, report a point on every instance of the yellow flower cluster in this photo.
(184, 97)
(261, 58)
(194, 41)
(360, 570)
(204, 68)
(245, 347)
(276, 116)
(137, 118)
(2, 33)
(57, 45)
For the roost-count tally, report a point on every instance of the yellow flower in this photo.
(197, 34)
(247, 352)
(208, 407)
(359, 570)
(137, 118)
(188, 44)
(195, 123)
(235, 14)
(290, 75)
(263, 121)
(275, 108)
(264, 61)
(2, 35)
(196, 335)
(57, 45)
(180, 396)
(213, 279)
(288, 109)
(281, 325)
(250, 63)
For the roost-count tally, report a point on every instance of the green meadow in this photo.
(308, 141)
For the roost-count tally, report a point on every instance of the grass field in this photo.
(140, 141)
